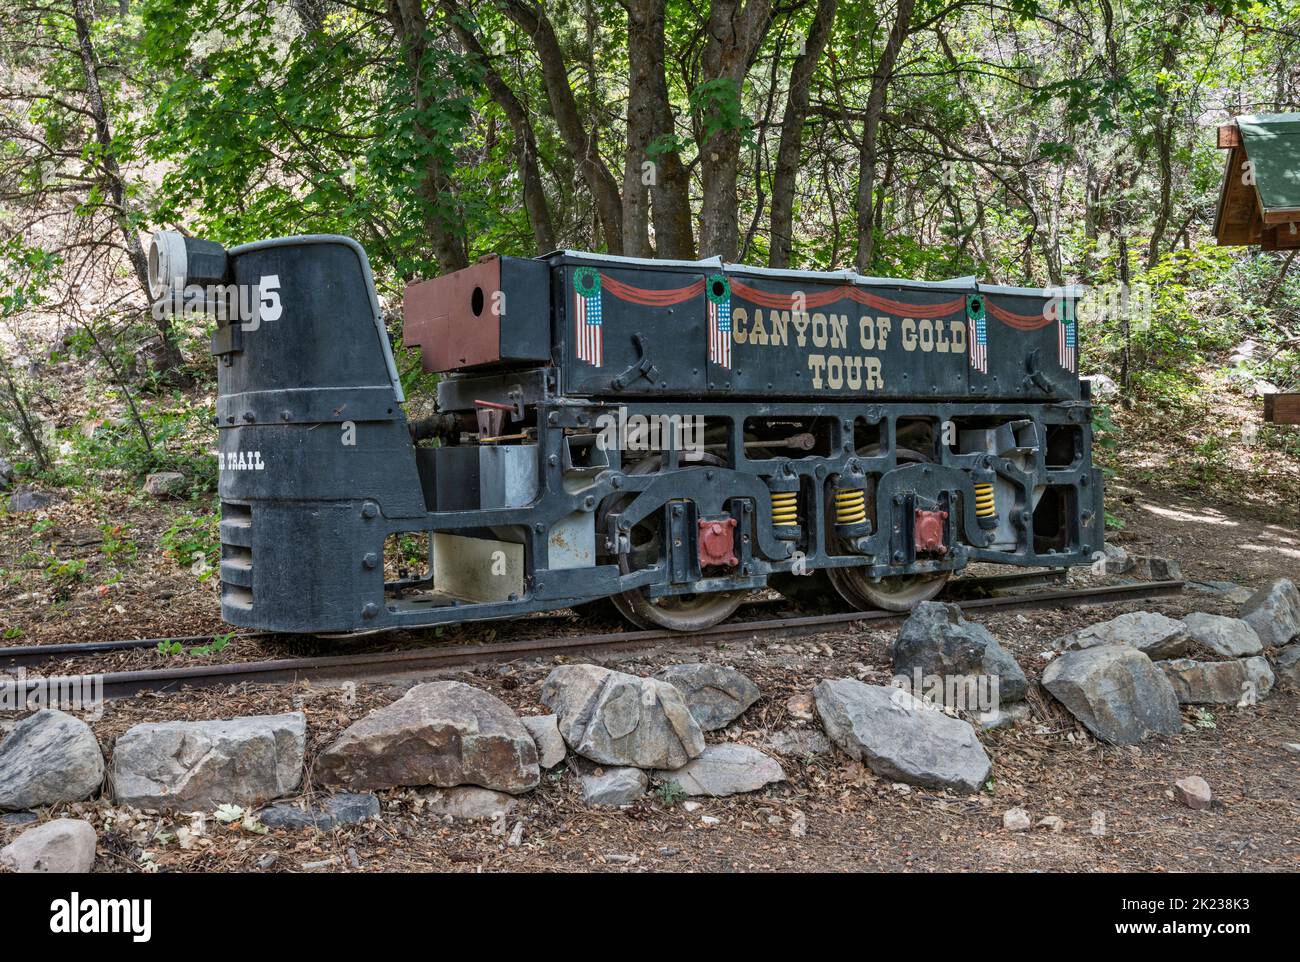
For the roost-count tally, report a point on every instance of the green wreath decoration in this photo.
(712, 282)
(587, 281)
(975, 307)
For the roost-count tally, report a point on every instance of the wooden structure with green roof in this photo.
(1259, 202)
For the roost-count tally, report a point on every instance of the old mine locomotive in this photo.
(669, 435)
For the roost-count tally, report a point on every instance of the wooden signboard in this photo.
(1282, 408)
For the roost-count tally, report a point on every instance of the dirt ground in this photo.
(830, 813)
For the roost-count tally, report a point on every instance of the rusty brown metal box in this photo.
(497, 311)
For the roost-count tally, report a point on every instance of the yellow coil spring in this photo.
(850, 505)
(985, 504)
(785, 508)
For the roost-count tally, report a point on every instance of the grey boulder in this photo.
(63, 846)
(166, 484)
(1002, 717)
(798, 742)
(1229, 637)
(898, 737)
(726, 769)
(1153, 634)
(1218, 682)
(469, 802)
(443, 733)
(1102, 386)
(613, 786)
(6, 473)
(619, 719)
(1116, 691)
(1274, 612)
(1115, 560)
(200, 765)
(1158, 569)
(48, 758)
(26, 498)
(336, 811)
(1288, 664)
(545, 730)
(937, 641)
(715, 695)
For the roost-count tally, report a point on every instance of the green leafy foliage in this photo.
(108, 445)
(194, 541)
(1172, 320)
(117, 545)
(718, 103)
(64, 573)
(1106, 435)
(670, 794)
(169, 648)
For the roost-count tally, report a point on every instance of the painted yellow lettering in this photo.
(800, 321)
(738, 318)
(816, 364)
(873, 379)
(839, 331)
(835, 372)
(908, 330)
(853, 373)
(780, 328)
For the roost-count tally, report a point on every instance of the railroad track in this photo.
(365, 665)
(32, 656)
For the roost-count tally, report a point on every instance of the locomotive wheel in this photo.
(896, 593)
(675, 612)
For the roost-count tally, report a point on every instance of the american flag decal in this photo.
(1065, 340)
(718, 291)
(979, 334)
(587, 339)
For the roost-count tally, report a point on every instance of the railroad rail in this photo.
(377, 664)
(31, 656)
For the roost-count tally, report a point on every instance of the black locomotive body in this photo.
(670, 435)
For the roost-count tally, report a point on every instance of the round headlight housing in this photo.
(166, 263)
(176, 261)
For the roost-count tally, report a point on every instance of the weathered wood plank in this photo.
(1282, 408)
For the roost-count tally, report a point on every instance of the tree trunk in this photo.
(27, 425)
(1163, 126)
(539, 213)
(311, 14)
(1281, 277)
(786, 174)
(734, 34)
(1042, 231)
(1125, 322)
(640, 129)
(870, 127)
(650, 140)
(564, 108)
(115, 184)
(445, 228)
(1091, 214)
